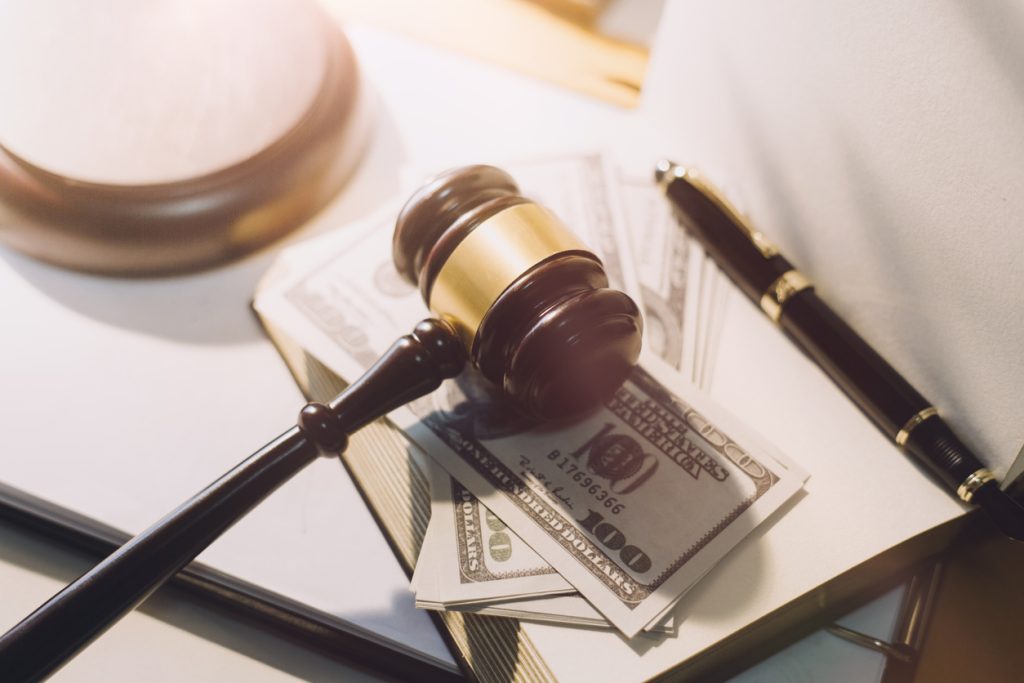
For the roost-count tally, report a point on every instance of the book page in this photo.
(879, 145)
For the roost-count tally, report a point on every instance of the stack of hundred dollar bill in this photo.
(604, 523)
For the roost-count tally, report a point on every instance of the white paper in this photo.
(880, 145)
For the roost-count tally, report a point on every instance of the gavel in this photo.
(513, 291)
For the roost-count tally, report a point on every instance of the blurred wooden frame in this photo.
(518, 34)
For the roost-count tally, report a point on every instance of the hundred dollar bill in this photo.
(631, 505)
(684, 292)
(565, 610)
(668, 269)
(480, 559)
(441, 559)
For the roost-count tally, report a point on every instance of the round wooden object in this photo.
(141, 138)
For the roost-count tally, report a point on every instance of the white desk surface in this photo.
(178, 366)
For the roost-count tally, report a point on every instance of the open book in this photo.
(764, 591)
(724, 94)
(868, 511)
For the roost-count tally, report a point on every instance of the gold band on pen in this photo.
(972, 483)
(914, 421)
(782, 290)
(493, 256)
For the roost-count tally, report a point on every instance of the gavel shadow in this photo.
(202, 308)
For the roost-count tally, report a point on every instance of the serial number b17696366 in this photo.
(602, 495)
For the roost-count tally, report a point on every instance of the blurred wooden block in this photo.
(518, 34)
(583, 12)
(148, 138)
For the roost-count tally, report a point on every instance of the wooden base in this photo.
(168, 146)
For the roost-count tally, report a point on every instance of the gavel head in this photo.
(528, 299)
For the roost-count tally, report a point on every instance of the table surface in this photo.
(186, 346)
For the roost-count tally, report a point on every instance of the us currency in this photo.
(711, 324)
(668, 269)
(684, 292)
(630, 505)
(479, 559)
(445, 561)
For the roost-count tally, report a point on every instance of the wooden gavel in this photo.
(512, 288)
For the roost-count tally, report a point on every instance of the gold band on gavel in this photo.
(493, 256)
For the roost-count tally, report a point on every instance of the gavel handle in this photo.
(41, 643)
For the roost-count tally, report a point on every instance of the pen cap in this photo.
(529, 300)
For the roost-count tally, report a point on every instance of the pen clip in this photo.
(697, 180)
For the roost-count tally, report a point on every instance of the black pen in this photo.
(789, 299)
